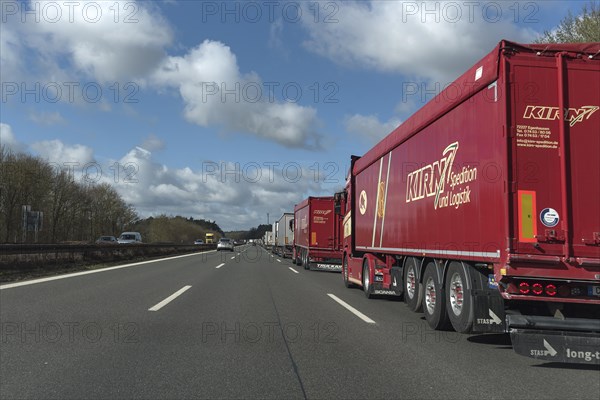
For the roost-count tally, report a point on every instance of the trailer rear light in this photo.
(564, 291)
(524, 288)
(548, 289)
(551, 290)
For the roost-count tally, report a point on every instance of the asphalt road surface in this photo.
(249, 325)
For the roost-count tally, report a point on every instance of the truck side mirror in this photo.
(337, 203)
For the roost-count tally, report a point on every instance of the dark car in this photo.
(107, 240)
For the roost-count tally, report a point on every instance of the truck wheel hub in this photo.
(456, 294)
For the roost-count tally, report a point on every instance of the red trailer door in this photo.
(555, 133)
(322, 228)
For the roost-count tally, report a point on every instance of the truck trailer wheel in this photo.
(412, 292)
(366, 280)
(347, 283)
(305, 261)
(296, 259)
(434, 301)
(459, 301)
(299, 258)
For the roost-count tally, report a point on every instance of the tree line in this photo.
(178, 230)
(253, 233)
(73, 211)
(76, 210)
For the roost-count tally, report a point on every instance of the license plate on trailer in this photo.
(594, 291)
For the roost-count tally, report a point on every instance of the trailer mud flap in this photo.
(557, 346)
(490, 316)
(397, 284)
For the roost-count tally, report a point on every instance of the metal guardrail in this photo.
(42, 255)
(12, 249)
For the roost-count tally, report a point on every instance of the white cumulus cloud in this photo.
(8, 139)
(215, 92)
(55, 151)
(430, 39)
(370, 127)
(216, 191)
(108, 41)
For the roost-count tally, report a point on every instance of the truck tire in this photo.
(347, 282)
(412, 290)
(366, 280)
(459, 301)
(434, 301)
(299, 258)
(306, 264)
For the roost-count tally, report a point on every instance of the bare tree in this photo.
(73, 210)
(24, 180)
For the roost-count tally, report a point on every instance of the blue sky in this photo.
(310, 83)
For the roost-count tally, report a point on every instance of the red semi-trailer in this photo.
(483, 208)
(317, 235)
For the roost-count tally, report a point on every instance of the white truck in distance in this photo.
(284, 235)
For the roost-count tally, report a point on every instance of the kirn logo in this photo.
(431, 181)
(322, 212)
(547, 113)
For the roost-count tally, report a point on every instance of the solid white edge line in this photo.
(294, 270)
(169, 299)
(351, 309)
(74, 274)
(220, 265)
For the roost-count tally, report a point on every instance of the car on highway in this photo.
(107, 240)
(199, 241)
(130, 237)
(225, 244)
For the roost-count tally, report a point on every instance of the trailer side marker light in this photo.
(527, 214)
(503, 271)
